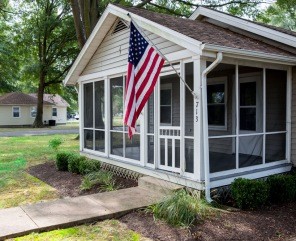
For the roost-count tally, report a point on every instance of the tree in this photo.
(282, 14)
(47, 44)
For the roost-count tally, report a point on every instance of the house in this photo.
(241, 122)
(19, 109)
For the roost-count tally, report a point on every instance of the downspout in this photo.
(205, 125)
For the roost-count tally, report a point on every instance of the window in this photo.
(54, 111)
(216, 104)
(16, 112)
(33, 111)
(248, 106)
(166, 104)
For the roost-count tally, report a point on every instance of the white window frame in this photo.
(167, 86)
(56, 112)
(31, 111)
(218, 81)
(19, 111)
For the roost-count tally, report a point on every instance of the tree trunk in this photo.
(39, 116)
(76, 9)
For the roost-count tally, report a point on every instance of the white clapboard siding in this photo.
(113, 51)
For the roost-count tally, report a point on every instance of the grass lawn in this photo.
(69, 126)
(103, 231)
(18, 153)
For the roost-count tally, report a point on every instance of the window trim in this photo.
(167, 86)
(31, 111)
(56, 112)
(19, 111)
(217, 81)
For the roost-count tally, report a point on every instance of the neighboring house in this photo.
(19, 109)
(241, 125)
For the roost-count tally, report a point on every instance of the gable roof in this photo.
(278, 34)
(208, 33)
(54, 99)
(189, 33)
(18, 98)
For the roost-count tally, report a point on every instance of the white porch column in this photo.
(81, 116)
(199, 64)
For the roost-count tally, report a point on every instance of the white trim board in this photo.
(245, 25)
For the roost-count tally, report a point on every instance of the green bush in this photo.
(282, 188)
(249, 194)
(74, 163)
(62, 160)
(54, 143)
(181, 209)
(102, 178)
(87, 166)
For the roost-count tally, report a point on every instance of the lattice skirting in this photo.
(121, 172)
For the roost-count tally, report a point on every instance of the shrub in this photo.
(102, 178)
(249, 194)
(74, 163)
(87, 166)
(181, 209)
(54, 143)
(282, 188)
(62, 160)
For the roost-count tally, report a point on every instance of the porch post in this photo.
(81, 116)
(198, 66)
(289, 114)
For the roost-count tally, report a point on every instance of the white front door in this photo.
(169, 129)
(251, 114)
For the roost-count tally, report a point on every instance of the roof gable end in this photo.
(279, 35)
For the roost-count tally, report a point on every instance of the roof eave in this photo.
(245, 25)
(248, 54)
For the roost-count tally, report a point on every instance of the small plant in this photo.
(74, 163)
(102, 178)
(62, 160)
(249, 194)
(282, 188)
(54, 143)
(87, 166)
(181, 209)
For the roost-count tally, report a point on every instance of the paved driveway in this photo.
(39, 132)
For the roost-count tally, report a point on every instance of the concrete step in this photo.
(158, 185)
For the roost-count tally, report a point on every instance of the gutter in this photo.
(205, 125)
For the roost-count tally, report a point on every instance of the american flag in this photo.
(144, 65)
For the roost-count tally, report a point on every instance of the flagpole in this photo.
(162, 55)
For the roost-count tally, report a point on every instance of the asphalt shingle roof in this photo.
(207, 32)
(18, 98)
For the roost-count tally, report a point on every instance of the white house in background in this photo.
(19, 109)
(241, 124)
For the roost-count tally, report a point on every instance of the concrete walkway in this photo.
(68, 212)
(41, 132)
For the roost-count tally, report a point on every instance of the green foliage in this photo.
(181, 209)
(88, 165)
(282, 188)
(249, 194)
(74, 163)
(103, 178)
(62, 160)
(55, 142)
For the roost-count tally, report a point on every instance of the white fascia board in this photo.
(89, 47)
(247, 54)
(246, 25)
(158, 29)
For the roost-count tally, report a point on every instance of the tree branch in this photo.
(217, 5)
(167, 9)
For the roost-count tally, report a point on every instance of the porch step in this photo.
(155, 184)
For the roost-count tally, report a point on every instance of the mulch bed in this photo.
(67, 183)
(271, 223)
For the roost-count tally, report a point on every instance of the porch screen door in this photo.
(169, 129)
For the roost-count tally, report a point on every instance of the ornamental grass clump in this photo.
(181, 209)
(103, 178)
